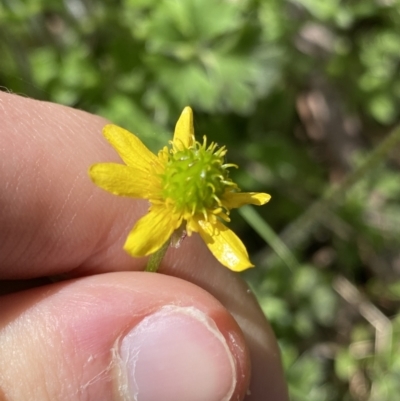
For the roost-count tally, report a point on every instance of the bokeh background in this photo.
(302, 92)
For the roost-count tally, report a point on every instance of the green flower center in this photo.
(195, 179)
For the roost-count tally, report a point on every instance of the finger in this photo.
(120, 336)
(55, 221)
(52, 218)
(267, 378)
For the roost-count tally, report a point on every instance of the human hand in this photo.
(109, 331)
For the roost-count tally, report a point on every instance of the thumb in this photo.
(120, 336)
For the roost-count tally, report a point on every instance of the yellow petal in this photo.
(151, 232)
(232, 200)
(224, 245)
(130, 148)
(184, 131)
(123, 180)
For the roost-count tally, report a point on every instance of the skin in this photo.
(67, 285)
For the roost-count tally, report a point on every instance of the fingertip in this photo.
(63, 339)
(176, 353)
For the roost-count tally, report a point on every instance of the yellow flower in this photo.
(188, 187)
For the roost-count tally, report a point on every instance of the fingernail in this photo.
(175, 354)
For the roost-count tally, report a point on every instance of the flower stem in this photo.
(155, 258)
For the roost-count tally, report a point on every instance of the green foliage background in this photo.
(301, 92)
